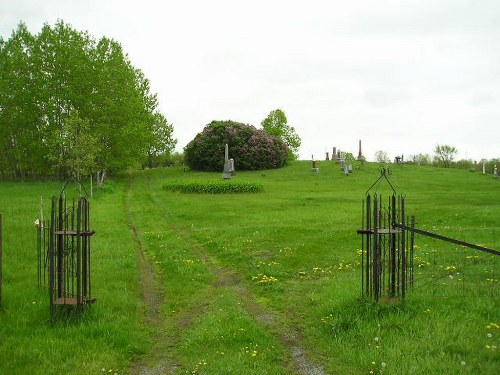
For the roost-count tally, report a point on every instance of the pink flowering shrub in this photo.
(251, 148)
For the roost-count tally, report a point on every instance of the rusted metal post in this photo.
(392, 246)
(87, 239)
(412, 244)
(83, 239)
(60, 249)
(52, 256)
(1, 257)
(368, 245)
(376, 249)
(79, 300)
(362, 247)
(403, 246)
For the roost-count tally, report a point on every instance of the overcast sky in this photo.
(402, 76)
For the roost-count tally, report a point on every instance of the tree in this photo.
(76, 148)
(421, 159)
(381, 157)
(275, 124)
(162, 142)
(61, 84)
(444, 154)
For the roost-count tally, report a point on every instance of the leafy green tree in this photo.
(20, 123)
(162, 141)
(61, 84)
(275, 124)
(444, 155)
(76, 147)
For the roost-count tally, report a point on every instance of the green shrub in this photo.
(250, 148)
(214, 187)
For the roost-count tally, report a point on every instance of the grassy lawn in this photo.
(258, 283)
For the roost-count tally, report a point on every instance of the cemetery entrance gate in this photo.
(64, 255)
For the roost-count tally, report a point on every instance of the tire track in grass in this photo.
(153, 297)
(167, 333)
(299, 360)
(287, 336)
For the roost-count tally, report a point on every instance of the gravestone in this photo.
(226, 174)
(360, 153)
(231, 167)
(314, 167)
(341, 161)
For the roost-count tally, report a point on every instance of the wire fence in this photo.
(447, 270)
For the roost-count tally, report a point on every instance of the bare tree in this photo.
(381, 157)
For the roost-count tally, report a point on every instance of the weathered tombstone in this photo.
(495, 171)
(360, 154)
(231, 167)
(314, 167)
(327, 156)
(349, 168)
(484, 168)
(334, 153)
(341, 160)
(226, 174)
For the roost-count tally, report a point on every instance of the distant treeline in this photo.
(426, 159)
(72, 106)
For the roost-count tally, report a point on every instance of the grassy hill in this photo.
(258, 283)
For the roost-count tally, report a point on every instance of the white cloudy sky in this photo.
(401, 75)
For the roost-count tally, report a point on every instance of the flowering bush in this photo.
(250, 148)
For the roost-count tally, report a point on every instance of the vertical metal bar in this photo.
(88, 251)
(72, 251)
(83, 239)
(369, 241)
(399, 247)
(60, 249)
(67, 253)
(412, 253)
(45, 249)
(403, 249)
(39, 252)
(392, 246)
(1, 257)
(52, 256)
(78, 256)
(376, 250)
(362, 248)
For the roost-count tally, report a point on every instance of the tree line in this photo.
(71, 106)
(444, 156)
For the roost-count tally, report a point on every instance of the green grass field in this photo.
(257, 283)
